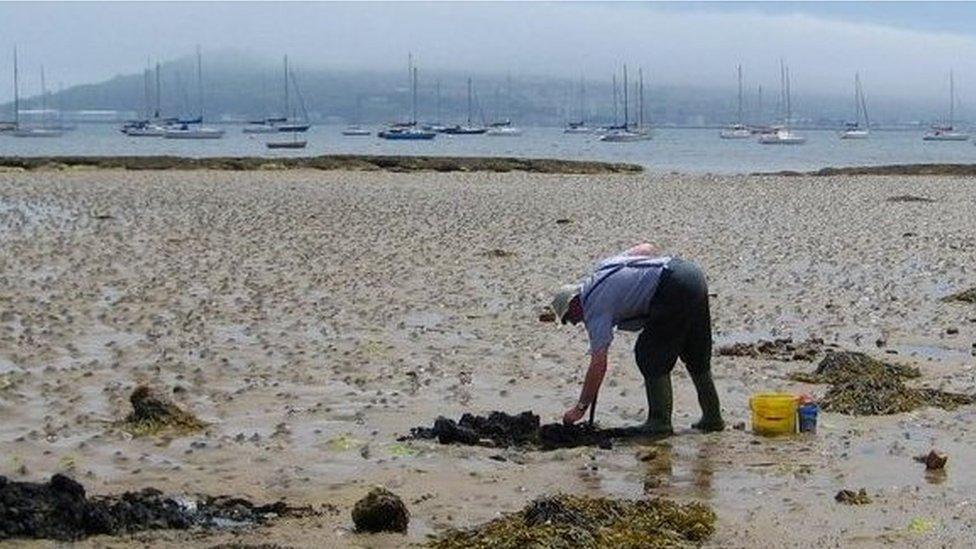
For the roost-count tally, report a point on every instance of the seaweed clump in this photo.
(501, 430)
(863, 386)
(850, 497)
(153, 413)
(965, 296)
(60, 510)
(380, 511)
(784, 349)
(841, 366)
(583, 521)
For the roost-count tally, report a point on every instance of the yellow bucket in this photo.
(773, 413)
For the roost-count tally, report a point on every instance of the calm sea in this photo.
(682, 150)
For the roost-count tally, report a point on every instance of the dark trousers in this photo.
(679, 324)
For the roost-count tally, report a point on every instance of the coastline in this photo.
(347, 162)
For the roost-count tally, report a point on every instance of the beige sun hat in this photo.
(561, 299)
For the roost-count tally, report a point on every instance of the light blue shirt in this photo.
(618, 294)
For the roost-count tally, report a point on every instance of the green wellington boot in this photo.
(708, 400)
(659, 401)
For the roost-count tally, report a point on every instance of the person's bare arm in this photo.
(644, 249)
(591, 386)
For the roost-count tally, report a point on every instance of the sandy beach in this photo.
(313, 317)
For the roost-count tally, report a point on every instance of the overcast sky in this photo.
(901, 49)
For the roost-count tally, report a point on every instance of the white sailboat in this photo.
(194, 129)
(355, 130)
(854, 129)
(737, 130)
(783, 135)
(946, 132)
(626, 133)
(31, 131)
(505, 128)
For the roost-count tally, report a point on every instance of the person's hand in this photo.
(573, 415)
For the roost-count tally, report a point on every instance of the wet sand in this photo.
(313, 317)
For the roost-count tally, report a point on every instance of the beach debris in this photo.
(850, 497)
(921, 525)
(563, 221)
(909, 198)
(153, 413)
(784, 349)
(380, 511)
(861, 386)
(585, 521)
(547, 315)
(502, 430)
(842, 366)
(499, 253)
(964, 296)
(59, 509)
(934, 461)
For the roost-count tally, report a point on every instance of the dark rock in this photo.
(850, 497)
(380, 511)
(934, 461)
(59, 510)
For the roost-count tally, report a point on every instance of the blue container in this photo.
(807, 414)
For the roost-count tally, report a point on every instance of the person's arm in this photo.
(591, 386)
(643, 249)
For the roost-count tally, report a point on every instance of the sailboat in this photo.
(194, 129)
(294, 125)
(355, 130)
(294, 142)
(853, 129)
(579, 126)
(469, 128)
(33, 131)
(946, 132)
(262, 125)
(625, 133)
(150, 126)
(783, 135)
(737, 130)
(505, 128)
(408, 131)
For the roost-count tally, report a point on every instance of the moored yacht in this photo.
(737, 130)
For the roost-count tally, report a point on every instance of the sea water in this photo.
(680, 150)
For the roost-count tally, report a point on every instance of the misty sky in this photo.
(901, 49)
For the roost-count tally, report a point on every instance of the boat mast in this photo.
(43, 96)
(615, 120)
(789, 105)
(158, 89)
(952, 98)
(16, 93)
(582, 100)
(200, 80)
(287, 105)
(438, 87)
(739, 113)
(147, 99)
(759, 106)
(640, 96)
(864, 104)
(469, 101)
(413, 119)
(626, 99)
